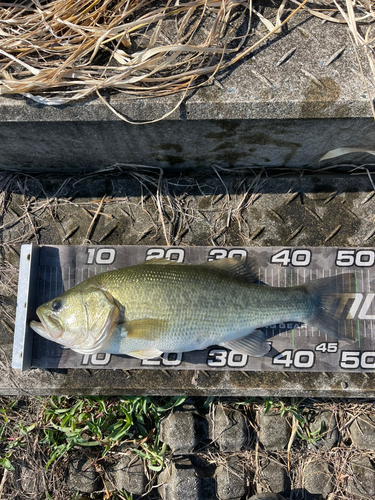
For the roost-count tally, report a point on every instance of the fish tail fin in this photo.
(331, 304)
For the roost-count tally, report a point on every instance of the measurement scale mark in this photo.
(291, 284)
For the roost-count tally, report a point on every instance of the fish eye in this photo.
(56, 305)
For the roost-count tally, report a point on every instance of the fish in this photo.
(162, 306)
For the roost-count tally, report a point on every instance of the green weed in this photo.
(92, 421)
(105, 422)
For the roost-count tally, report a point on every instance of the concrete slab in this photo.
(258, 113)
(117, 382)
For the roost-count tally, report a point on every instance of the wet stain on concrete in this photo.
(170, 159)
(229, 129)
(168, 146)
(238, 145)
(224, 145)
(230, 156)
(318, 100)
(265, 139)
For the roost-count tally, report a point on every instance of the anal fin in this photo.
(254, 344)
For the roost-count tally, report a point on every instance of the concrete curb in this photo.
(260, 113)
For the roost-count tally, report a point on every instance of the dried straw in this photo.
(140, 47)
(59, 51)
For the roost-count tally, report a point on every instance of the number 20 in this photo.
(175, 254)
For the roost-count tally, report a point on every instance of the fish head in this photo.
(80, 319)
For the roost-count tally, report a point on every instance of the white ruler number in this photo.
(101, 256)
(359, 258)
(299, 359)
(223, 253)
(221, 357)
(167, 359)
(98, 359)
(297, 258)
(175, 254)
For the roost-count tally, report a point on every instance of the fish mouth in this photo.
(47, 328)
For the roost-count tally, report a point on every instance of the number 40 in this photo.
(297, 258)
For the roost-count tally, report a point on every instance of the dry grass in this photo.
(59, 51)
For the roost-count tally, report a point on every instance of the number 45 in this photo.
(327, 347)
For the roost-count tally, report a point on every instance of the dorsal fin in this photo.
(240, 268)
(160, 261)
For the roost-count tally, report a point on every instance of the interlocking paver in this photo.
(274, 431)
(362, 432)
(275, 477)
(182, 480)
(229, 430)
(82, 476)
(362, 485)
(127, 474)
(184, 431)
(325, 425)
(318, 480)
(231, 480)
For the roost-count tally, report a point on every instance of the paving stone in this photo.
(184, 480)
(184, 431)
(325, 424)
(363, 483)
(229, 429)
(82, 476)
(362, 432)
(231, 480)
(267, 496)
(31, 481)
(274, 431)
(318, 480)
(276, 478)
(127, 474)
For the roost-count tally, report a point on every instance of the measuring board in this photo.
(48, 271)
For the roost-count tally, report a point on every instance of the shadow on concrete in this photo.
(123, 180)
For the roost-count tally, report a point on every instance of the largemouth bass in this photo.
(162, 306)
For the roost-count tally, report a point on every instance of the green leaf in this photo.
(5, 462)
(208, 402)
(156, 468)
(297, 416)
(268, 406)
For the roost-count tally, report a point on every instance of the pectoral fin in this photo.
(146, 329)
(253, 344)
(146, 353)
